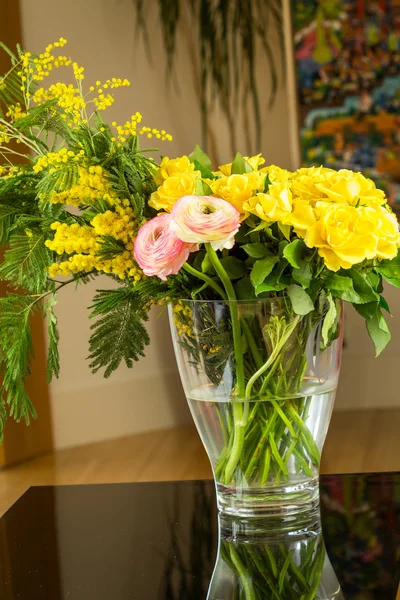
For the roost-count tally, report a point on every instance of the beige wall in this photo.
(101, 35)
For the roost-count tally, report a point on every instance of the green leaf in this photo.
(363, 286)
(205, 173)
(244, 289)
(240, 166)
(383, 304)
(270, 286)
(53, 358)
(301, 301)
(202, 188)
(267, 183)
(201, 157)
(206, 265)
(390, 270)
(352, 287)
(285, 230)
(329, 320)
(367, 310)
(303, 275)
(378, 331)
(256, 250)
(261, 269)
(294, 253)
(234, 267)
(260, 227)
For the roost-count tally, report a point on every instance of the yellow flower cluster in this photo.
(129, 128)
(40, 66)
(121, 224)
(122, 266)
(15, 112)
(340, 213)
(68, 98)
(183, 313)
(57, 159)
(72, 238)
(83, 243)
(4, 137)
(92, 185)
(78, 71)
(160, 134)
(104, 100)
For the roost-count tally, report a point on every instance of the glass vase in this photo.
(281, 559)
(260, 382)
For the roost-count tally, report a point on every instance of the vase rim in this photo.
(227, 301)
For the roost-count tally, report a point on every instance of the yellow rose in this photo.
(273, 206)
(304, 182)
(276, 174)
(173, 166)
(237, 189)
(386, 230)
(343, 234)
(254, 162)
(302, 216)
(351, 188)
(173, 188)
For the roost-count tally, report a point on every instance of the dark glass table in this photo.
(159, 541)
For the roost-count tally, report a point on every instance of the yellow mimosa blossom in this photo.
(173, 188)
(275, 205)
(72, 238)
(121, 225)
(15, 112)
(4, 137)
(68, 97)
(57, 159)
(238, 189)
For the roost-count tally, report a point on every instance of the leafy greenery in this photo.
(119, 334)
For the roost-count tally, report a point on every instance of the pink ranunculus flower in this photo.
(202, 219)
(157, 249)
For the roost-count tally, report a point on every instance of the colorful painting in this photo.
(347, 56)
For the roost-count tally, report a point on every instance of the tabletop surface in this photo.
(159, 540)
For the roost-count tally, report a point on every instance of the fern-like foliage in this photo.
(132, 176)
(15, 355)
(53, 357)
(119, 333)
(26, 261)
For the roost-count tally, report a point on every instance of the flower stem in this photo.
(239, 422)
(205, 278)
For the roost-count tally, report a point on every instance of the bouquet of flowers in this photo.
(87, 201)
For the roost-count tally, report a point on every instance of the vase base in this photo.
(289, 499)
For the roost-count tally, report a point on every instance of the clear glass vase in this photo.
(282, 559)
(260, 382)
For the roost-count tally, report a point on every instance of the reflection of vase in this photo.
(260, 382)
(259, 559)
